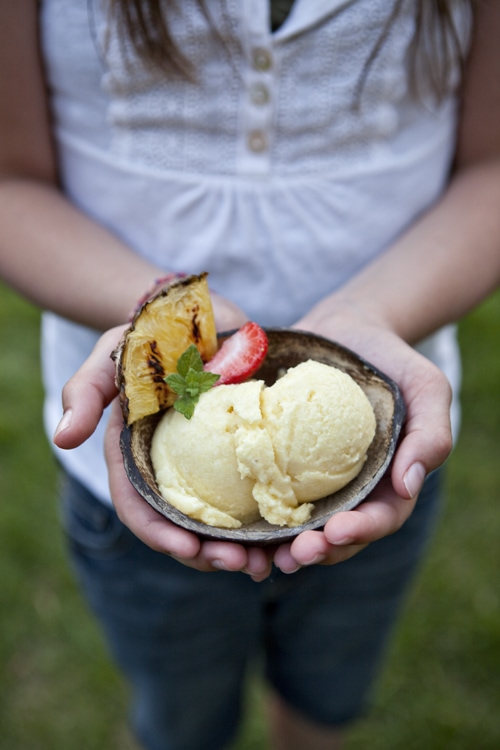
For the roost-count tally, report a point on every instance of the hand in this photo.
(228, 315)
(425, 445)
(85, 397)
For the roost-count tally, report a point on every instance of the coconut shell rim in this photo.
(261, 533)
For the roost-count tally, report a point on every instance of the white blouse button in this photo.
(261, 59)
(257, 141)
(259, 94)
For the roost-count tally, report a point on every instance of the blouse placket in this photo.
(258, 90)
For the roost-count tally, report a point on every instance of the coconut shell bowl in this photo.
(287, 348)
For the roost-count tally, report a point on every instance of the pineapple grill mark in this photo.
(195, 326)
(157, 371)
(154, 363)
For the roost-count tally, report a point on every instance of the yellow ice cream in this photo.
(252, 451)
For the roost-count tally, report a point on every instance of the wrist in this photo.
(341, 312)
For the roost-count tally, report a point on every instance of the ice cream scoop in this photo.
(253, 451)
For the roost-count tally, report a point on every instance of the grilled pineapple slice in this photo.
(166, 325)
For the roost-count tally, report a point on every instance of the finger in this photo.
(312, 548)
(348, 532)
(87, 393)
(259, 563)
(223, 556)
(427, 440)
(380, 515)
(234, 558)
(284, 560)
(229, 557)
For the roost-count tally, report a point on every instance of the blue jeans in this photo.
(185, 639)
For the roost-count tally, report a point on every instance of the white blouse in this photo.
(282, 171)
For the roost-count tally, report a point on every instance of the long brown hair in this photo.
(145, 24)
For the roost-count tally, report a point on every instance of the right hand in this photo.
(85, 396)
(425, 443)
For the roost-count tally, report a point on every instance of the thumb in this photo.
(427, 440)
(87, 393)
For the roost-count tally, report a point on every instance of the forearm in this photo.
(63, 261)
(436, 272)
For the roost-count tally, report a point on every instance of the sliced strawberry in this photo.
(240, 355)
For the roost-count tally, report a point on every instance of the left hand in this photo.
(425, 444)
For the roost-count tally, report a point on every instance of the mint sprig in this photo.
(190, 381)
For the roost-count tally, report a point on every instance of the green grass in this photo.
(440, 689)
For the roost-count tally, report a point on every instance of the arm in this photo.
(49, 251)
(446, 263)
(450, 259)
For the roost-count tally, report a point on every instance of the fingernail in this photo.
(65, 422)
(256, 577)
(316, 560)
(219, 565)
(293, 570)
(340, 541)
(414, 479)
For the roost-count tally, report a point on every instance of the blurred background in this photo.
(441, 686)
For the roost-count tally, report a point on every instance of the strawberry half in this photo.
(240, 355)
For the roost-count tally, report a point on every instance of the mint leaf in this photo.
(190, 360)
(176, 382)
(190, 381)
(207, 380)
(185, 405)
